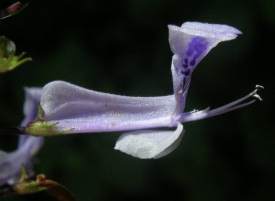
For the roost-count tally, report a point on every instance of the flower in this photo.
(152, 125)
(8, 59)
(12, 163)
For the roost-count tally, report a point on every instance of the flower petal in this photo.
(148, 144)
(196, 37)
(69, 108)
(30, 144)
(32, 99)
(11, 163)
(30, 108)
(190, 43)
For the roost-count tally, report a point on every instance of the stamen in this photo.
(259, 87)
(240, 103)
(258, 97)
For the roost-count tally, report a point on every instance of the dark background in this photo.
(122, 47)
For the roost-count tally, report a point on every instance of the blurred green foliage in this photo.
(122, 47)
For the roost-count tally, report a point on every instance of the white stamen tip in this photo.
(239, 103)
(259, 87)
(254, 93)
(257, 97)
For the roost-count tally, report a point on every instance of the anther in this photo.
(259, 87)
(256, 96)
(254, 93)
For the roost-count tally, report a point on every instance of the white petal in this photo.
(220, 32)
(148, 144)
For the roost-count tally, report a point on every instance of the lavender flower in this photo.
(12, 163)
(66, 108)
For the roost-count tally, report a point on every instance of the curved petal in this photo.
(30, 108)
(196, 38)
(190, 43)
(11, 163)
(148, 144)
(29, 144)
(32, 99)
(69, 108)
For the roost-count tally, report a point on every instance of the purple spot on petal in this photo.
(185, 72)
(185, 63)
(193, 62)
(196, 47)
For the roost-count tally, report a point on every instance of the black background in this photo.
(122, 47)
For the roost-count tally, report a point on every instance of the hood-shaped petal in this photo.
(196, 38)
(68, 108)
(11, 163)
(148, 144)
(190, 43)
